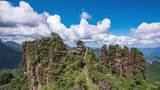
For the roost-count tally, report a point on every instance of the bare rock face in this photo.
(126, 64)
(105, 57)
(123, 61)
(118, 60)
(40, 58)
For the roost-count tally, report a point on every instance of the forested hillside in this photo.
(9, 56)
(153, 72)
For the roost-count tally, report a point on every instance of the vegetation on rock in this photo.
(49, 65)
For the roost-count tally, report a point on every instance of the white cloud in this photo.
(85, 15)
(84, 30)
(23, 14)
(20, 23)
(148, 34)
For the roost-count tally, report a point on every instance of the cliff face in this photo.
(40, 59)
(123, 61)
(47, 63)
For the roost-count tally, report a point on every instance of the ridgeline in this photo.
(49, 65)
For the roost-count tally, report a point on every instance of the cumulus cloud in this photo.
(147, 34)
(83, 30)
(23, 14)
(85, 15)
(20, 23)
(91, 34)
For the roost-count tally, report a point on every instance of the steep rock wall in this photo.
(123, 61)
(40, 58)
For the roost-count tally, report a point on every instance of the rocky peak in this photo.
(122, 61)
(45, 59)
(39, 57)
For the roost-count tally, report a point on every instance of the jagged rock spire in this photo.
(121, 61)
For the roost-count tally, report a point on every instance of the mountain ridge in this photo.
(9, 57)
(49, 65)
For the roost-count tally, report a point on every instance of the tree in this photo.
(6, 78)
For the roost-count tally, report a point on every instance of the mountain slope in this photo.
(153, 72)
(150, 51)
(9, 58)
(13, 45)
(49, 65)
(151, 54)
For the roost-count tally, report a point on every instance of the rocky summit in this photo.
(49, 65)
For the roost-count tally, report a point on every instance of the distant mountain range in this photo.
(10, 55)
(151, 54)
(13, 45)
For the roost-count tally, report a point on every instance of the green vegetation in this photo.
(48, 65)
(153, 72)
(71, 77)
(18, 83)
(6, 78)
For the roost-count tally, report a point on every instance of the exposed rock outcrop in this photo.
(45, 60)
(123, 61)
(40, 58)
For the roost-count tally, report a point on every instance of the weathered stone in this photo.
(39, 58)
(122, 61)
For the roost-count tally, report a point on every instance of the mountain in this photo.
(10, 55)
(49, 65)
(150, 54)
(13, 45)
(151, 51)
(153, 71)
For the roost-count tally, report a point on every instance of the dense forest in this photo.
(49, 65)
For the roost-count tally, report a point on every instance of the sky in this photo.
(126, 22)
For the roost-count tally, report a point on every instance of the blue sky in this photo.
(134, 23)
(124, 14)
